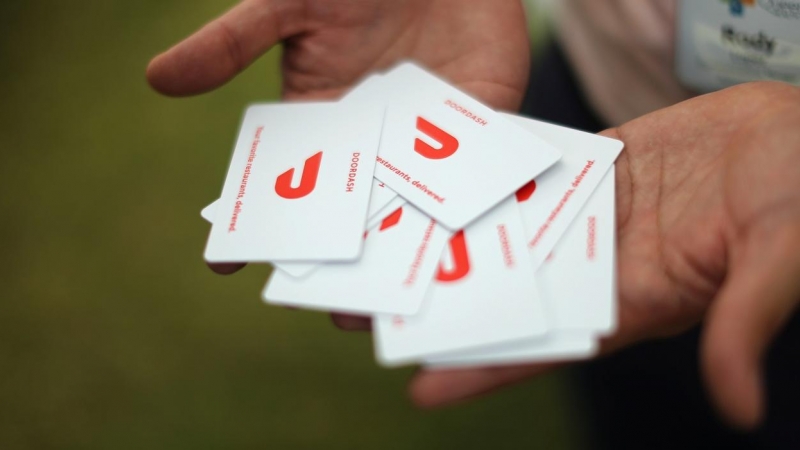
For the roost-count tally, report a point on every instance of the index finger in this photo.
(224, 47)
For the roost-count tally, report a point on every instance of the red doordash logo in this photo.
(449, 144)
(389, 221)
(392, 219)
(525, 192)
(308, 180)
(458, 251)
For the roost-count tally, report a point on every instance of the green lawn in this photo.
(113, 334)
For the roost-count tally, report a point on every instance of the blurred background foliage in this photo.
(113, 334)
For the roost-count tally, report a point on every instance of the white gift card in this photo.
(382, 202)
(381, 198)
(293, 269)
(554, 346)
(209, 212)
(578, 282)
(484, 294)
(578, 285)
(550, 203)
(300, 173)
(448, 154)
(392, 276)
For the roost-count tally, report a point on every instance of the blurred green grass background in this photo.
(113, 333)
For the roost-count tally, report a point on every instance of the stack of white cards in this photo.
(471, 237)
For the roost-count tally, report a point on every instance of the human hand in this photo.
(481, 46)
(708, 209)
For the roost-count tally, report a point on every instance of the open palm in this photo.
(708, 201)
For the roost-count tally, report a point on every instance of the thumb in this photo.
(759, 295)
(224, 47)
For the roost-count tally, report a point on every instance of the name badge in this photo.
(720, 43)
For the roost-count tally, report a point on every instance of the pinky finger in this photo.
(226, 268)
(349, 322)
